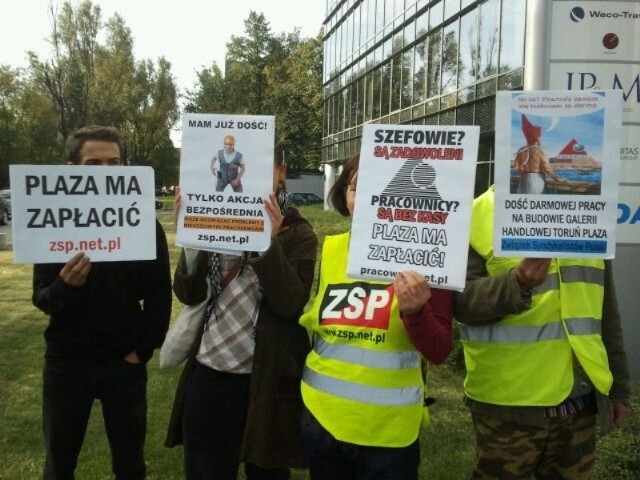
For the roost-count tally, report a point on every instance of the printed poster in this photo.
(226, 172)
(556, 180)
(413, 203)
(61, 210)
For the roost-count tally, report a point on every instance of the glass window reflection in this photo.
(450, 57)
(512, 35)
(488, 39)
(468, 49)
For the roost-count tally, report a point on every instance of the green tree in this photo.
(89, 82)
(68, 76)
(27, 123)
(295, 97)
(269, 74)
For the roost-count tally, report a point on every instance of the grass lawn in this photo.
(447, 446)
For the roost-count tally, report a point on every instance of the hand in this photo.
(412, 292)
(275, 215)
(75, 271)
(177, 203)
(235, 182)
(132, 358)
(532, 272)
(620, 414)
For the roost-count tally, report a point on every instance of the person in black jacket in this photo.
(105, 320)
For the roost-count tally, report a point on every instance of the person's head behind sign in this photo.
(95, 145)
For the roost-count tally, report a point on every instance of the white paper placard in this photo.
(413, 203)
(60, 210)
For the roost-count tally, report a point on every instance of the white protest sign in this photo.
(413, 203)
(106, 212)
(556, 180)
(226, 172)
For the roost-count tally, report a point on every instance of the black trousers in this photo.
(214, 417)
(69, 389)
(332, 459)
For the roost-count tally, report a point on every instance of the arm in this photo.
(236, 181)
(548, 169)
(56, 286)
(190, 277)
(612, 336)
(214, 170)
(156, 304)
(485, 299)
(430, 330)
(285, 271)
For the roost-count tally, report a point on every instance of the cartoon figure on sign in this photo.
(531, 161)
(228, 166)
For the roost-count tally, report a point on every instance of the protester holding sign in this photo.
(544, 352)
(106, 318)
(363, 386)
(239, 396)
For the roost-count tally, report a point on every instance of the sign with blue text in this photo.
(556, 178)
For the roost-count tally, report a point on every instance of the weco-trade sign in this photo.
(594, 46)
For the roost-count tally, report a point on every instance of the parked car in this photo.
(305, 198)
(5, 195)
(5, 212)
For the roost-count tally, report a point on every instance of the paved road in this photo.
(6, 229)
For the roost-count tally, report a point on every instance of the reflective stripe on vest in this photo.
(529, 334)
(361, 393)
(365, 357)
(526, 358)
(571, 274)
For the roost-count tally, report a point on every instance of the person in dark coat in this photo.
(238, 399)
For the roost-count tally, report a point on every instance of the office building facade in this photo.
(437, 62)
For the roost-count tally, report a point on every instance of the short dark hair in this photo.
(76, 140)
(338, 193)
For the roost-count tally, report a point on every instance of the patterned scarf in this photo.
(283, 199)
(213, 272)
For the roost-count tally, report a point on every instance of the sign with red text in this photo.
(106, 212)
(413, 203)
(556, 180)
(226, 172)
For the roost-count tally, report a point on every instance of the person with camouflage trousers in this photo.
(544, 354)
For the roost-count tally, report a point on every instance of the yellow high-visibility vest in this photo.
(526, 359)
(362, 380)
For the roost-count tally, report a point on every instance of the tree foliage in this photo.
(268, 74)
(92, 82)
(93, 77)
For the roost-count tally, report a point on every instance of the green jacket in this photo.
(487, 300)
(272, 437)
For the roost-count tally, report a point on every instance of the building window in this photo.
(489, 25)
(420, 72)
(467, 59)
(396, 82)
(450, 57)
(385, 89)
(512, 35)
(451, 7)
(406, 93)
(435, 64)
